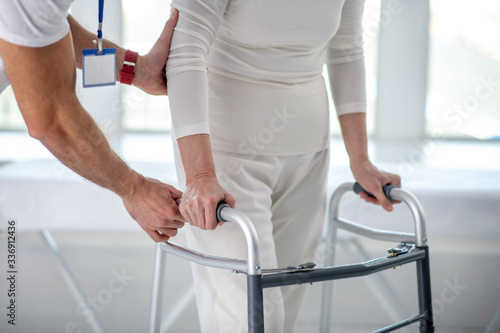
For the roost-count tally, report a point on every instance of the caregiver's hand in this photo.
(152, 205)
(149, 71)
(150, 68)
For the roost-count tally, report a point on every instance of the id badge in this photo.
(99, 69)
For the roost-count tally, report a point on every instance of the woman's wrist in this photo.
(205, 175)
(363, 165)
(361, 159)
(196, 155)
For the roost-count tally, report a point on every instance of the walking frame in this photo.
(413, 248)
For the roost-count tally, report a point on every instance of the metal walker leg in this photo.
(419, 239)
(157, 290)
(424, 293)
(327, 294)
(72, 282)
(251, 267)
(494, 323)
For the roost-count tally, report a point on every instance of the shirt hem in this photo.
(269, 150)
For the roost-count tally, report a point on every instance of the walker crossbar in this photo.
(203, 259)
(402, 323)
(341, 272)
(256, 281)
(383, 235)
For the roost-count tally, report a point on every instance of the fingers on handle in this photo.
(197, 214)
(229, 199)
(170, 232)
(383, 200)
(175, 193)
(211, 215)
(185, 213)
(157, 237)
(395, 179)
(368, 198)
(175, 212)
(375, 197)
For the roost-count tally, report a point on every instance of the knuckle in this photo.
(162, 224)
(171, 211)
(210, 201)
(193, 203)
(184, 211)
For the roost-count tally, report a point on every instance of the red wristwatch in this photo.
(127, 72)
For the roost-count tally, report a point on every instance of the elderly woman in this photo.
(251, 125)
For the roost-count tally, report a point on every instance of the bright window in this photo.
(464, 70)
(10, 116)
(141, 27)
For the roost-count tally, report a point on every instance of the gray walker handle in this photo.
(251, 266)
(357, 188)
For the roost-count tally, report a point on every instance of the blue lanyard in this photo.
(99, 29)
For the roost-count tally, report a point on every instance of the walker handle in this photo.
(221, 205)
(357, 188)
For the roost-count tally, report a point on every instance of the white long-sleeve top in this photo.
(249, 72)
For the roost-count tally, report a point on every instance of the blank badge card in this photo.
(99, 68)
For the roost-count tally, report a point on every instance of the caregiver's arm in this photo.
(346, 71)
(149, 68)
(188, 96)
(43, 80)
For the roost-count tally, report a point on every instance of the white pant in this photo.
(285, 199)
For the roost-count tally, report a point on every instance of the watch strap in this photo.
(127, 72)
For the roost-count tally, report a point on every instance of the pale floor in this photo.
(45, 304)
